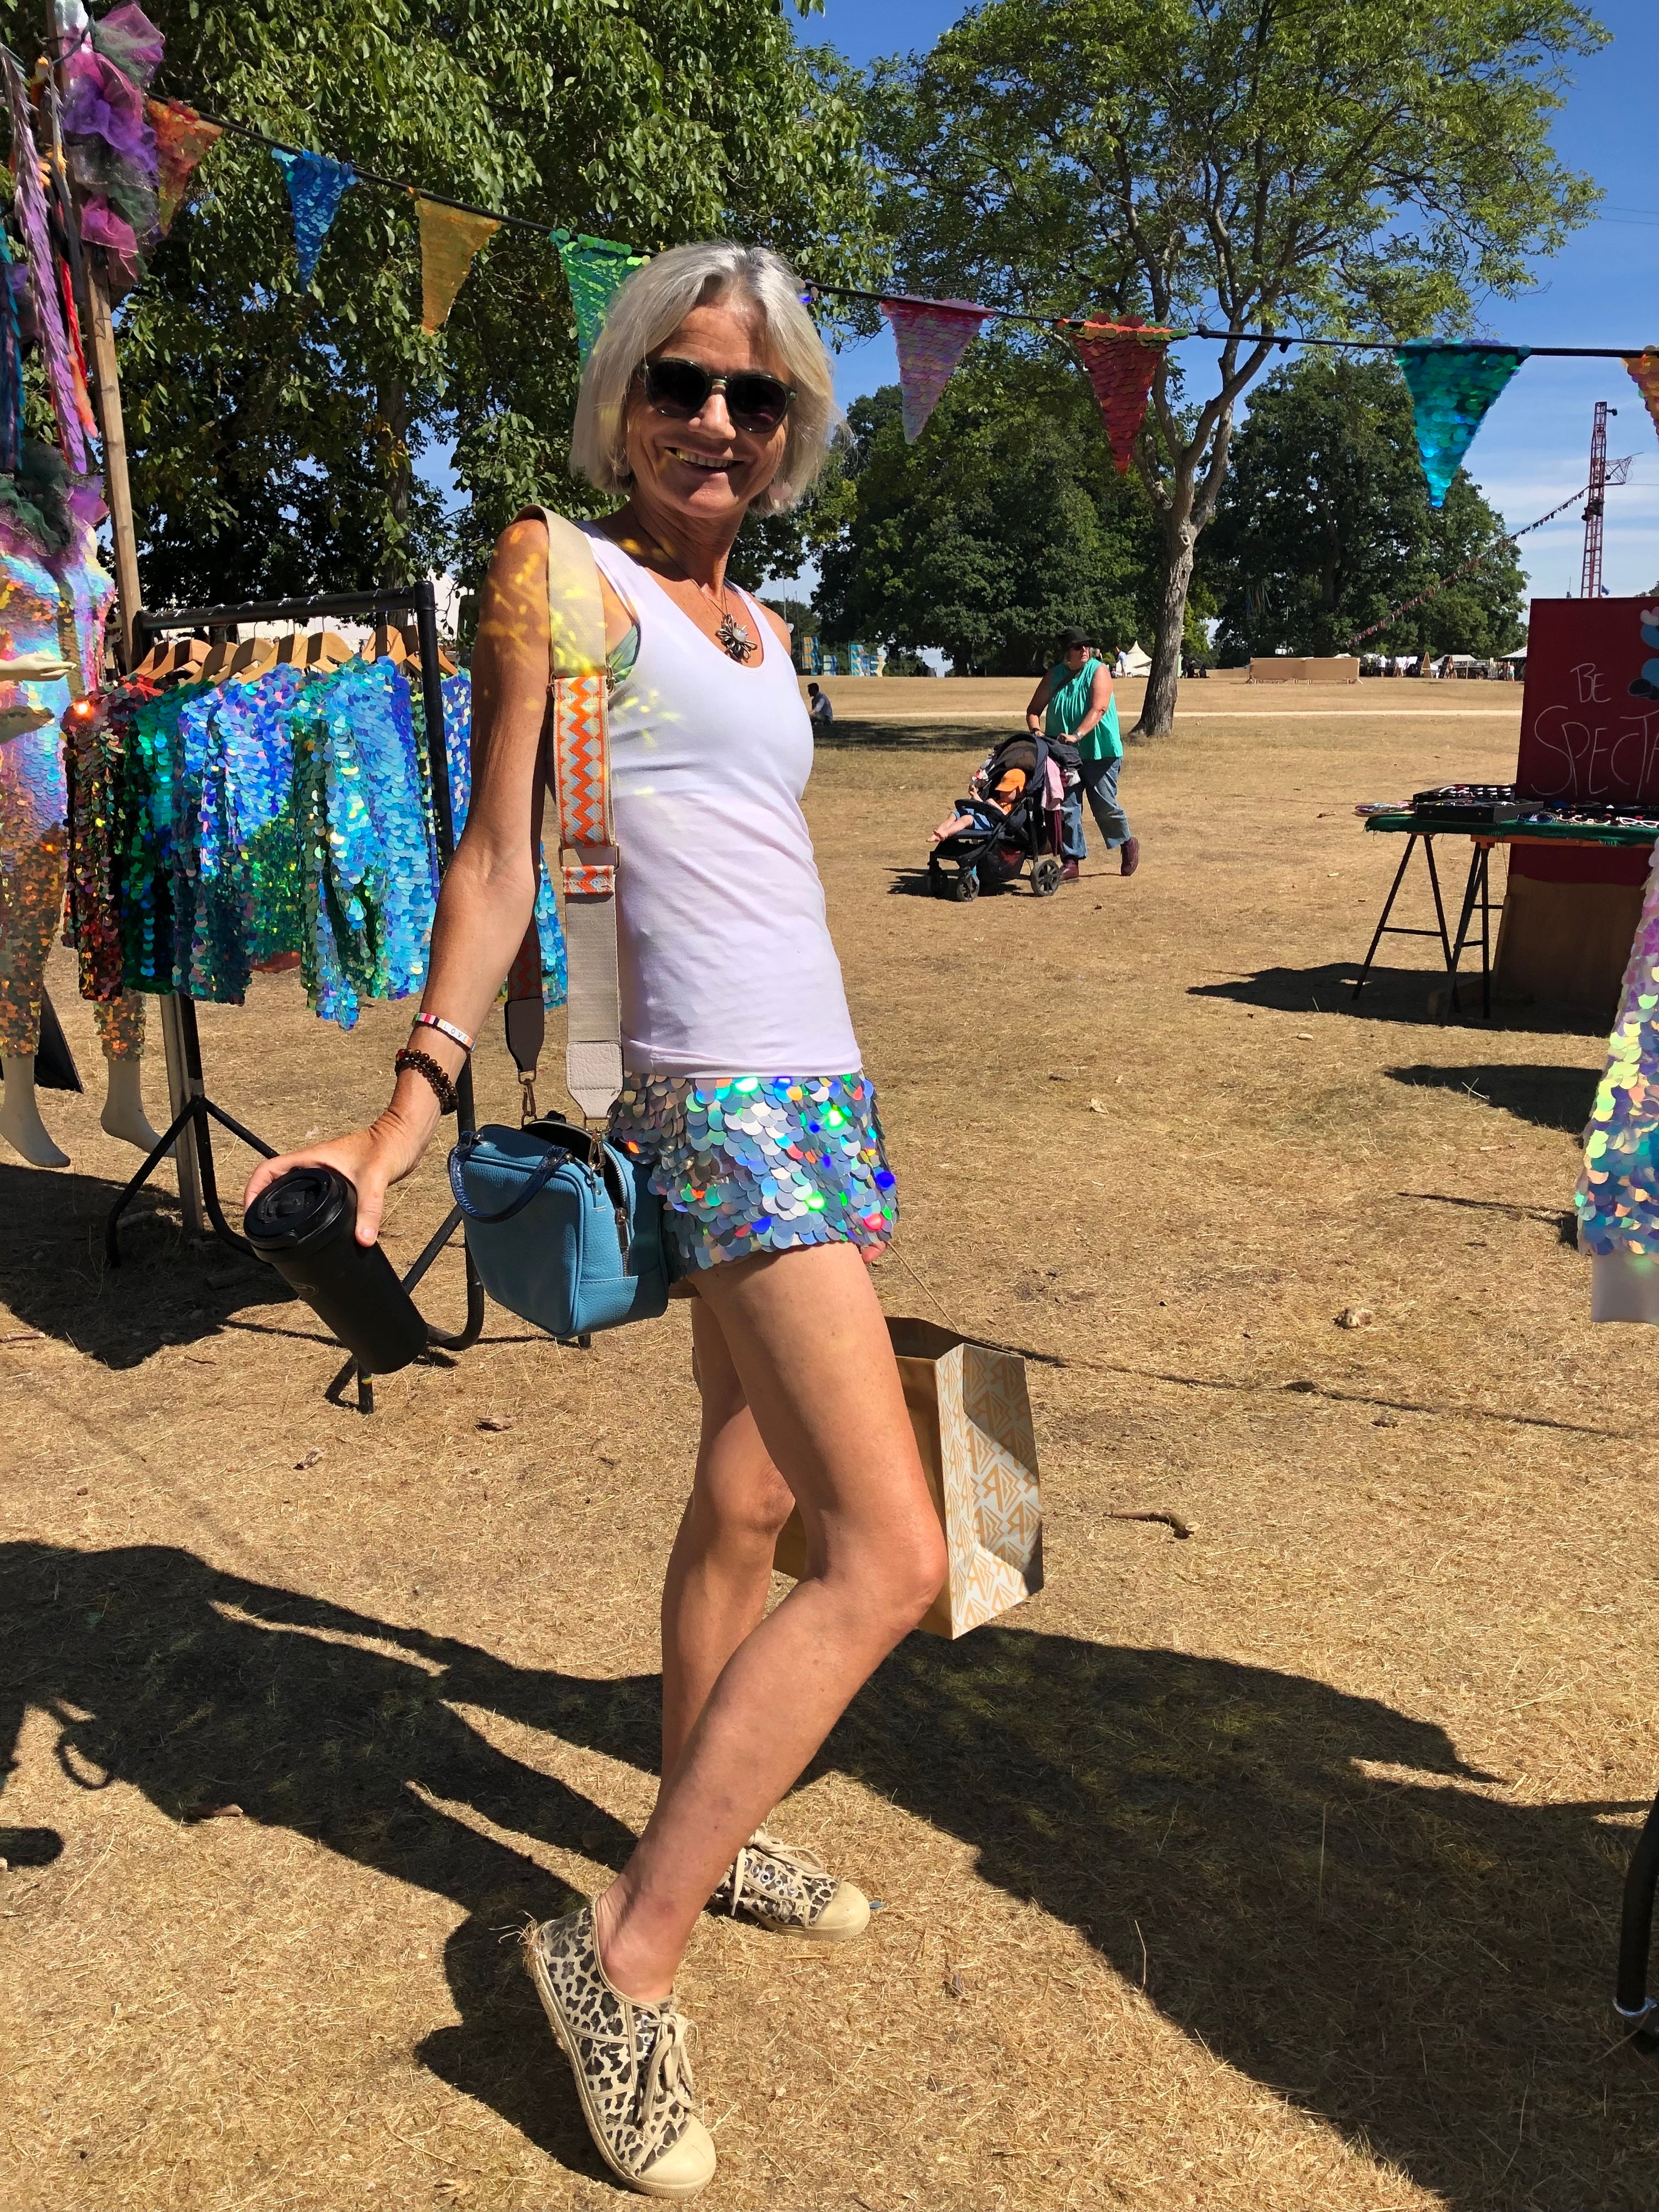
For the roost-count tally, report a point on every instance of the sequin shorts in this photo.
(760, 1163)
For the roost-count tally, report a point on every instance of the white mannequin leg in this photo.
(19, 1117)
(123, 1114)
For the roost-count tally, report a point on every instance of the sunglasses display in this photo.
(754, 400)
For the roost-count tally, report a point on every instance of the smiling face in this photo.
(701, 474)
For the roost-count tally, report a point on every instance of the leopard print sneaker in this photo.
(633, 2074)
(789, 1890)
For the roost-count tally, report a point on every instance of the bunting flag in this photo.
(932, 337)
(1644, 371)
(1451, 388)
(182, 138)
(593, 267)
(11, 364)
(450, 237)
(43, 291)
(1122, 359)
(316, 185)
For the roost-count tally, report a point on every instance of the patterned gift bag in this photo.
(972, 1419)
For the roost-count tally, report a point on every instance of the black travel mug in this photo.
(303, 1223)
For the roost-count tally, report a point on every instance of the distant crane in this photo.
(1602, 472)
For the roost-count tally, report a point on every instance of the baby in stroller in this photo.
(1011, 819)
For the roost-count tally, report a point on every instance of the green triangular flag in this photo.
(1451, 388)
(593, 267)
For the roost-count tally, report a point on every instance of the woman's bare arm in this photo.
(1039, 698)
(490, 891)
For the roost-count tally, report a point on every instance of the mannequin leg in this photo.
(121, 1024)
(31, 899)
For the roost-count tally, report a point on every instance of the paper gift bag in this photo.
(969, 1407)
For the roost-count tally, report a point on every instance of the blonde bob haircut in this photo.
(650, 307)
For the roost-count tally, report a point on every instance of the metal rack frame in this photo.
(199, 1112)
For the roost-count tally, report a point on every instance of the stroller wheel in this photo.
(1045, 876)
(965, 885)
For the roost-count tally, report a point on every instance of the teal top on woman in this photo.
(1069, 702)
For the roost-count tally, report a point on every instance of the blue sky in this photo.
(1604, 290)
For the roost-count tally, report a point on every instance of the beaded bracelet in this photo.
(424, 1065)
(445, 1029)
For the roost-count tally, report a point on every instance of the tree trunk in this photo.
(392, 395)
(1157, 709)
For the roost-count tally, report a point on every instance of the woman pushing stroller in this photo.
(1075, 709)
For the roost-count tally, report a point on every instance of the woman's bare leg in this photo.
(720, 1569)
(809, 1345)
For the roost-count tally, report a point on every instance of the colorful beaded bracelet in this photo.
(444, 1029)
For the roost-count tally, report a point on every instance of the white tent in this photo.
(1137, 663)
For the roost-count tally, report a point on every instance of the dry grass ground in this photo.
(1276, 1867)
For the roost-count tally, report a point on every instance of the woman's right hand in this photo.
(370, 1159)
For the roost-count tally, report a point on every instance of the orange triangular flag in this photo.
(450, 236)
(1644, 368)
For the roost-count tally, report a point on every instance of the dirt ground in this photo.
(1275, 1866)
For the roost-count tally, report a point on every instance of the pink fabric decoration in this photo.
(101, 226)
(131, 41)
(932, 337)
(1122, 359)
(43, 290)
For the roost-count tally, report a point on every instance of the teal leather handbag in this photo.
(565, 1231)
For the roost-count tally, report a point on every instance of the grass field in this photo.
(1274, 1869)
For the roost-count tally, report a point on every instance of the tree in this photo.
(279, 433)
(1005, 523)
(1324, 523)
(1368, 167)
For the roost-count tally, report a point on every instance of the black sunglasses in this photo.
(754, 401)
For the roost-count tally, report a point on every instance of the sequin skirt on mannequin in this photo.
(47, 605)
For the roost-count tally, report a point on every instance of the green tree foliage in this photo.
(1004, 524)
(1370, 167)
(278, 434)
(1325, 523)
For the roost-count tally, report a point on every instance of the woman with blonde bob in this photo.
(709, 393)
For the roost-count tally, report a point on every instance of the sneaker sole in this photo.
(563, 2036)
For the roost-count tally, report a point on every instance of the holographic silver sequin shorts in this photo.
(759, 1163)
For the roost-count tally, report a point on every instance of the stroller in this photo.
(1000, 846)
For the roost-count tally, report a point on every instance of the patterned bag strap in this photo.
(587, 840)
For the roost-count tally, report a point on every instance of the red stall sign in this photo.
(1589, 719)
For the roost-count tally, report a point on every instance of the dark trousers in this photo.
(1100, 783)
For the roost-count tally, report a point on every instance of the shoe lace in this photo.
(666, 2087)
(763, 1844)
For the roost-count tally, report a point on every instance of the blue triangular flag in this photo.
(316, 186)
(1451, 388)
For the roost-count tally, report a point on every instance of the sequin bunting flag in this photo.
(593, 267)
(1645, 373)
(1451, 387)
(43, 283)
(316, 185)
(11, 364)
(449, 238)
(931, 336)
(1121, 360)
(183, 138)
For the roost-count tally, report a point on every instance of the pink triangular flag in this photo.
(932, 337)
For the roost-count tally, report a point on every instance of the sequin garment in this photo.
(760, 1163)
(1618, 1194)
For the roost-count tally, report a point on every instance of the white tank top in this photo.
(727, 965)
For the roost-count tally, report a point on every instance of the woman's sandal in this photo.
(633, 2072)
(789, 1890)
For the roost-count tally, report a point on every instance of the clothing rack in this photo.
(199, 1112)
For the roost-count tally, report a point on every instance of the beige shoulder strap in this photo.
(588, 841)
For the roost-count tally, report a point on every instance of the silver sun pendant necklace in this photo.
(730, 636)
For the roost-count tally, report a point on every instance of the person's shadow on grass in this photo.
(1312, 1883)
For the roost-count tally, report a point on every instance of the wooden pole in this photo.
(118, 491)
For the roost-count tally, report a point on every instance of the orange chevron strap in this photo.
(583, 786)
